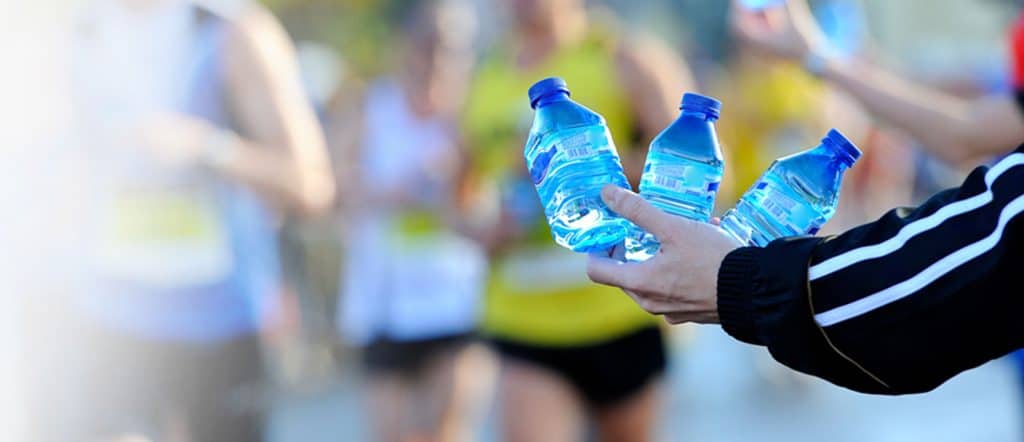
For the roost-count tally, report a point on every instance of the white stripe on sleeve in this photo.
(849, 258)
(925, 277)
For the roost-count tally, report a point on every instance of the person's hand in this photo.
(174, 139)
(680, 282)
(786, 31)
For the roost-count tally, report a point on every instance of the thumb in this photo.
(634, 208)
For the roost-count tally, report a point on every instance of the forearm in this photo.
(952, 128)
(937, 120)
(762, 300)
(895, 306)
(281, 153)
(273, 172)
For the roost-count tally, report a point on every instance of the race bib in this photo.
(437, 285)
(543, 269)
(163, 237)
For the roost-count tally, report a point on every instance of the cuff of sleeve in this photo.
(736, 289)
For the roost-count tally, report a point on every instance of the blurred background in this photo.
(301, 220)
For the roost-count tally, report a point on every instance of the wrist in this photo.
(222, 147)
(736, 288)
(819, 61)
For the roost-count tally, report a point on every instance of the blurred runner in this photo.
(412, 283)
(570, 350)
(196, 125)
(954, 129)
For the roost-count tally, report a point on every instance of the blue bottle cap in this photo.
(546, 87)
(700, 103)
(840, 143)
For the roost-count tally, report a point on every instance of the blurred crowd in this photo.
(271, 196)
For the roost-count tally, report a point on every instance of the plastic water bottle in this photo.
(570, 156)
(683, 171)
(796, 195)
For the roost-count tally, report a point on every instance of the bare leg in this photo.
(448, 397)
(388, 397)
(457, 389)
(434, 393)
(633, 419)
(537, 405)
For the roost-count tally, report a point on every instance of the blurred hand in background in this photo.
(788, 30)
(175, 139)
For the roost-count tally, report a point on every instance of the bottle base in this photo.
(596, 240)
(736, 229)
(641, 246)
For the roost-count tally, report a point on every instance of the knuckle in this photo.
(635, 205)
(631, 207)
(670, 234)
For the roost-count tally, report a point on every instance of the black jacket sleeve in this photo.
(896, 306)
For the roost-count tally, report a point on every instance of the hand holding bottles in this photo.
(570, 156)
(680, 282)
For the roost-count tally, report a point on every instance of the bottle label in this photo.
(776, 203)
(569, 145)
(788, 212)
(670, 177)
(683, 178)
(578, 146)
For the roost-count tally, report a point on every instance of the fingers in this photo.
(634, 208)
(650, 305)
(758, 29)
(676, 319)
(743, 20)
(607, 271)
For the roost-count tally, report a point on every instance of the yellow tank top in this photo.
(773, 109)
(538, 292)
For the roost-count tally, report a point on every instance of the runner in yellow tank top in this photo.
(524, 301)
(572, 342)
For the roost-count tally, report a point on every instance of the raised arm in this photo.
(281, 152)
(955, 129)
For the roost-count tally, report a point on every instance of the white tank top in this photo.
(170, 252)
(396, 289)
(152, 225)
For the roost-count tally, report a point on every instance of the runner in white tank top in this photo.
(194, 120)
(411, 283)
(407, 283)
